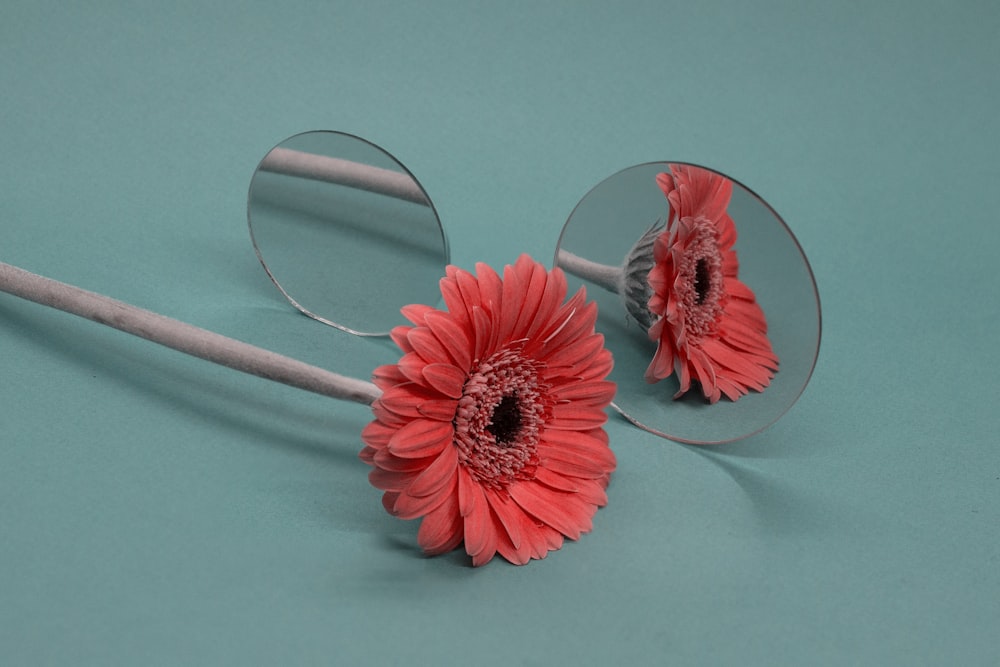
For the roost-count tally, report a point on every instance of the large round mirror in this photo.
(345, 231)
(706, 300)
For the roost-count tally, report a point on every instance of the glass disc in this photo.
(345, 231)
(607, 242)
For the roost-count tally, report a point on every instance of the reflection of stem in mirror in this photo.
(183, 337)
(602, 275)
(343, 172)
(629, 280)
(345, 231)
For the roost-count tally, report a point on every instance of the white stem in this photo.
(343, 172)
(183, 337)
(608, 277)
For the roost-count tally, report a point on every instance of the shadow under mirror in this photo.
(345, 231)
(706, 300)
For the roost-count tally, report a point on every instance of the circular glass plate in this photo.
(617, 224)
(345, 231)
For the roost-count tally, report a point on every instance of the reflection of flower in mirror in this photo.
(710, 327)
(490, 426)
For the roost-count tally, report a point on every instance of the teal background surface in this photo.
(155, 509)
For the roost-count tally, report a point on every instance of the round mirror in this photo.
(345, 231)
(706, 300)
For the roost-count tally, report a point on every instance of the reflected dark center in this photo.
(702, 281)
(506, 422)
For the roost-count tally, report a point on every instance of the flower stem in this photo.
(608, 277)
(183, 337)
(344, 172)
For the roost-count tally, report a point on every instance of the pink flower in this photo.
(710, 328)
(490, 426)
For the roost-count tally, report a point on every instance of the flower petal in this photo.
(387, 376)
(731, 389)
(534, 292)
(599, 366)
(367, 454)
(570, 323)
(569, 465)
(593, 492)
(482, 346)
(515, 286)
(466, 492)
(506, 548)
(683, 377)
(413, 507)
(726, 356)
(553, 295)
(595, 440)
(441, 528)
(749, 312)
(490, 288)
(386, 416)
(587, 452)
(398, 335)
(427, 345)
(470, 287)
(411, 366)
(488, 549)
(567, 358)
(383, 458)
(553, 508)
(451, 336)
(555, 481)
(454, 301)
(437, 475)
(445, 378)
(415, 312)
(662, 365)
(576, 417)
(727, 232)
(701, 191)
(705, 374)
(738, 334)
(387, 480)
(737, 288)
(599, 391)
(441, 409)
(378, 434)
(509, 514)
(420, 438)
(666, 183)
(411, 401)
(478, 522)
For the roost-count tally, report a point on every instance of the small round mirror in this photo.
(345, 231)
(706, 300)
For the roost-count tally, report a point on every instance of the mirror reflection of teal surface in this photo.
(346, 233)
(603, 228)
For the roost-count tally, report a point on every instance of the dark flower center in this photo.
(702, 281)
(506, 422)
(701, 290)
(500, 418)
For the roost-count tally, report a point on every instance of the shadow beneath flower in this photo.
(456, 558)
(332, 490)
(408, 546)
(184, 388)
(195, 390)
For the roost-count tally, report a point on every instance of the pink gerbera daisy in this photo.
(490, 426)
(710, 327)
